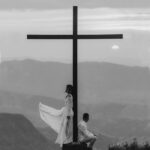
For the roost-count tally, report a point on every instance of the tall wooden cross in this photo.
(75, 36)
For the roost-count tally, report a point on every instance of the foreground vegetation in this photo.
(134, 145)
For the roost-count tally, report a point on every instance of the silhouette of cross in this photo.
(75, 36)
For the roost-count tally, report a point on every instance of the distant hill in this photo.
(35, 78)
(28, 105)
(18, 133)
(97, 81)
(116, 96)
(113, 118)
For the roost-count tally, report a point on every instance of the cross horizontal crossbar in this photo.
(105, 36)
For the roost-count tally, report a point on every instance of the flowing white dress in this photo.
(57, 120)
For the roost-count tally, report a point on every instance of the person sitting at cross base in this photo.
(85, 136)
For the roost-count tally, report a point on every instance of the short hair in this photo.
(85, 116)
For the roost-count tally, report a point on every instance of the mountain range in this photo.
(17, 132)
(116, 96)
(97, 81)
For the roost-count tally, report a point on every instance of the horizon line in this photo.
(68, 62)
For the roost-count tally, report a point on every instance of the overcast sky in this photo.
(53, 4)
(130, 17)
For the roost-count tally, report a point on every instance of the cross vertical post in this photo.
(75, 74)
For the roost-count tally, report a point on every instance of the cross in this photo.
(75, 36)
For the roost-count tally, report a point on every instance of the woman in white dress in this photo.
(60, 120)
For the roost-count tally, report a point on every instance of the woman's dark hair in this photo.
(69, 89)
(85, 116)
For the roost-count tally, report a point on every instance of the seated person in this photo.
(85, 136)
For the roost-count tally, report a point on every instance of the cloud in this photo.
(96, 20)
(115, 47)
(15, 25)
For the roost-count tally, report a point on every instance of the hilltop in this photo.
(18, 133)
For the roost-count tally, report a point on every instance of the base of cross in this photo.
(75, 146)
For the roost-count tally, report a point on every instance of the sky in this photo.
(128, 17)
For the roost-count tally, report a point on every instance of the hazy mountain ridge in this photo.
(34, 77)
(17, 132)
(97, 81)
(26, 104)
(114, 94)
